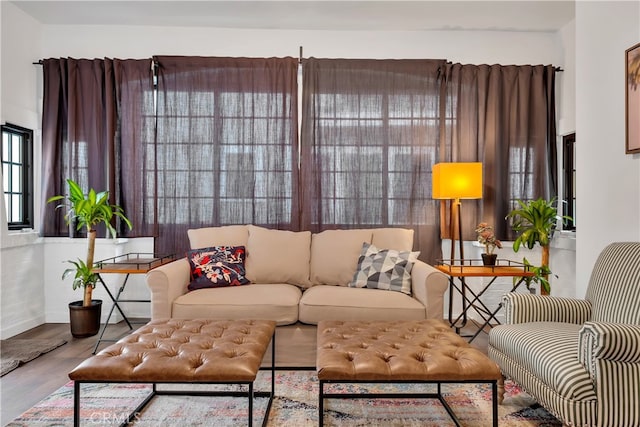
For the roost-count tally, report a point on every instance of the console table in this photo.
(461, 269)
(127, 264)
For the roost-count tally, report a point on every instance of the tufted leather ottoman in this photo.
(420, 351)
(198, 351)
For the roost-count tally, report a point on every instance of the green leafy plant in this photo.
(541, 276)
(535, 223)
(83, 274)
(87, 211)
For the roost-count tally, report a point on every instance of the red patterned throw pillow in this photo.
(216, 267)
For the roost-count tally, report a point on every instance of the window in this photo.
(521, 162)
(222, 147)
(569, 176)
(370, 131)
(17, 175)
(368, 157)
(228, 156)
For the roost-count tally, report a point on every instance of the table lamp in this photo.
(456, 181)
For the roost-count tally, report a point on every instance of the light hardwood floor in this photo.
(30, 383)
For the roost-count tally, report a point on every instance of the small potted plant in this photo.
(87, 211)
(488, 239)
(535, 223)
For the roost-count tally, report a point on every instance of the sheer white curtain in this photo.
(226, 147)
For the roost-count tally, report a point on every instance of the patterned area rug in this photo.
(14, 352)
(295, 405)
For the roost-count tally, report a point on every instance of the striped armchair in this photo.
(580, 359)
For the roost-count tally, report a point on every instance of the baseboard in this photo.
(20, 327)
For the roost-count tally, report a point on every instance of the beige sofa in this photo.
(297, 276)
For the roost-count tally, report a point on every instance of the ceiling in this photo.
(549, 15)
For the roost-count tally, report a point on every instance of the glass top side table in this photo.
(127, 264)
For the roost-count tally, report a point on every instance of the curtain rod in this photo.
(556, 69)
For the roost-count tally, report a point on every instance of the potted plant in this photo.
(535, 222)
(87, 211)
(488, 239)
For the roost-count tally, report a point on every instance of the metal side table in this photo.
(127, 264)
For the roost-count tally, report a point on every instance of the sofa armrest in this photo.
(428, 286)
(523, 308)
(167, 283)
(610, 352)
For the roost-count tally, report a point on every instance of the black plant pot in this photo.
(489, 259)
(85, 321)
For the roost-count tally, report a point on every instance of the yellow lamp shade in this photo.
(457, 180)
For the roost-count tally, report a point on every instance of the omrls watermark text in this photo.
(109, 418)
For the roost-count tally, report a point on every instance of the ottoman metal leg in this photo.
(76, 404)
(494, 402)
(250, 424)
(321, 404)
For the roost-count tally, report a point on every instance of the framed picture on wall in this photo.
(632, 74)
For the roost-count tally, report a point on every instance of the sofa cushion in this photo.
(277, 256)
(334, 255)
(343, 303)
(277, 302)
(386, 269)
(216, 267)
(228, 235)
(400, 239)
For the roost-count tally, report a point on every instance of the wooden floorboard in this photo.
(28, 384)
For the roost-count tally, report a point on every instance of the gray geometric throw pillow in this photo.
(384, 269)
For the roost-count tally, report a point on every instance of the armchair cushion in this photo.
(548, 351)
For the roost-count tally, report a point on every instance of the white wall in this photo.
(566, 81)
(21, 270)
(608, 180)
(457, 46)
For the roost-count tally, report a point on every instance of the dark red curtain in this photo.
(81, 122)
(134, 160)
(216, 142)
(504, 117)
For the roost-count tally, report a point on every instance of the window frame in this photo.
(26, 172)
(568, 175)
